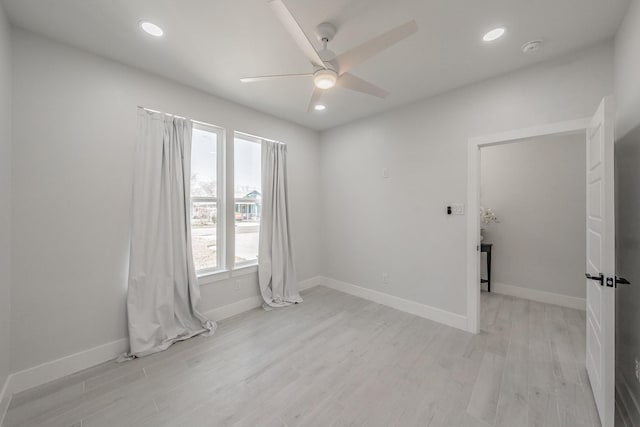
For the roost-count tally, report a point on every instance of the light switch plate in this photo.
(457, 209)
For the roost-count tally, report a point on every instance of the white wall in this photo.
(75, 124)
(537, 189)
(5, 193)
(627, 70)
(399, 225)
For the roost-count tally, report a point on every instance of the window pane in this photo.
(248, 198)
(203, 164)
(204, 217)
(204, 203)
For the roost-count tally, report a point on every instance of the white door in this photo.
(601, 261)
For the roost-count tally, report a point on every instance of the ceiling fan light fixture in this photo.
(325, 79)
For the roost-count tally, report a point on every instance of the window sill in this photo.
(243, 270)
(218, 276)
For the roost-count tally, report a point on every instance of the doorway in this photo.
(533, 220)
(473, 202)
(600, 242)
(533, 199)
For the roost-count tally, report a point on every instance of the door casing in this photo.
(473, 198)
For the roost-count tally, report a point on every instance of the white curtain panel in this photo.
(276, 272)
(163, 290)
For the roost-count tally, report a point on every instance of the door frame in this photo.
(473, 198)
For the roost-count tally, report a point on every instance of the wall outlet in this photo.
(385, 278)
(237, 284)
(457, 209)
(385, 173)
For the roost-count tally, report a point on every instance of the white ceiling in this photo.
(211, 44)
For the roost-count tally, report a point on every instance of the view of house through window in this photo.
(207, 206)
(247, 197)
(204, 198)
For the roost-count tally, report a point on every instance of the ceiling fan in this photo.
(331, 69)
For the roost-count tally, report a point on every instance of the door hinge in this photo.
(610, 282)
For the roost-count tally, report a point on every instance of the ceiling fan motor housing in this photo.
(327, 55)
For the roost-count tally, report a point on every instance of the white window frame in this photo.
(257, 140)
(220, 199)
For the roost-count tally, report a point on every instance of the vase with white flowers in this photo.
(487, 217)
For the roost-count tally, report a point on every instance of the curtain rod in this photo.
(258, 137)
(209, 124)
(178, 117)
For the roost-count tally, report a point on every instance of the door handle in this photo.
(622, 281)
(598, 278)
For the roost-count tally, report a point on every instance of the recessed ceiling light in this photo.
(319, 107)
(151, 28)
(494, 34)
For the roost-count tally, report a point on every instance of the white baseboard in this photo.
(310, 283)
(232, 309)
(539, 296)
(438, 315)
(50, 371)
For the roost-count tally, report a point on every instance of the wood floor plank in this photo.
(339, 360)
(542, 409)
(486, 390)
(513, 403)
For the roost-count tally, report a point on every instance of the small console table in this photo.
(486, 247)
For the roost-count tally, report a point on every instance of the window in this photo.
(247, 197)
(207, 209)
(212, 200)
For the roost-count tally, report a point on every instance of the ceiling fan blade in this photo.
(296, 32)
(315, 97)
(349, 81)
(357, 55)
(277, 76)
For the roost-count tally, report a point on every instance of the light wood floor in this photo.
(339, 360)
